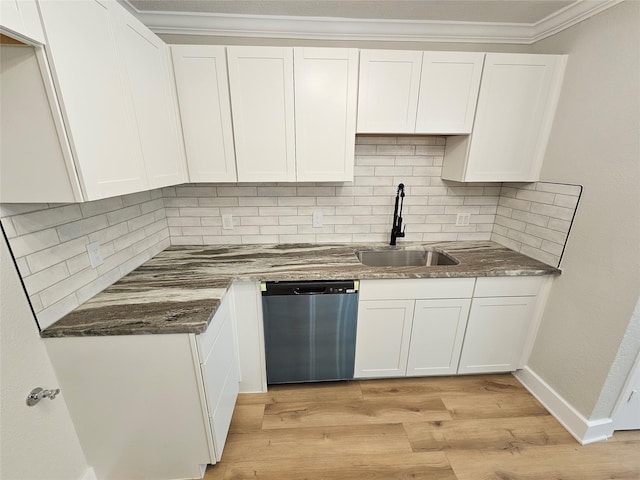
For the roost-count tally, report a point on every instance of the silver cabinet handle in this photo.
(38, 394)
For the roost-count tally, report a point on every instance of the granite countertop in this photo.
(179, 289)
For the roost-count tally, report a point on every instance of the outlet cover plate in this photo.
(95, 254)
(227, 222)
(318, 219)
(462, 219)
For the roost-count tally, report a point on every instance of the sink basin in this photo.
(404, 258)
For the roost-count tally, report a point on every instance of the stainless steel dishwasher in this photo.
(309, 330)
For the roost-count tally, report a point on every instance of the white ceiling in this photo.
(494, 21)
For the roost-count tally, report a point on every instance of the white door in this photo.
(96, 104)
(515, 110)
(388, 91)
(436, 336)
(326, 89)
(205, 111)
(495, 335)
(262, 102)
(382, 339)
(38, 441)
(147, 70)
(449, 87)
(627, 414)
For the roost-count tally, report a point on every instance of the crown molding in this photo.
(354, 29)
(569, 16)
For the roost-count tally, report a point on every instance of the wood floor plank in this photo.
(247, 418)
(429, 387)
(363, 412)
(300, 443)
(495, 405)
(316, 392)
(509, 434)
(419, 466)
(600, 461)
(254, 398)
(215, 472)
(485, 427)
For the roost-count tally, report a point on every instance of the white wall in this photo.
(37, 442)
(595, 142)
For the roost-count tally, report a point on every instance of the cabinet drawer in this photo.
(207, 339)
(507, 286)
(416, 289)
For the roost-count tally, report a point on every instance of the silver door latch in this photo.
(38, 394)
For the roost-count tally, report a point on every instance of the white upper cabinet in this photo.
(20, 19)
(203, 97)
(516, 106)
(448, 92)
(326, 89)
(147, 69)
(37, 165)
(418, 92)
(95, 100)
(262, 102)
(388, 92)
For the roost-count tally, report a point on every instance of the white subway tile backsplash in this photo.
(50, 246)
(535, 218)
(124, 214)
(34, 242)
(553, 211)
(49, 240)
(45, 218)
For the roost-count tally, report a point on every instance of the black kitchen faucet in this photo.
(396, 228)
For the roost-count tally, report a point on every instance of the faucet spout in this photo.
(396, 227)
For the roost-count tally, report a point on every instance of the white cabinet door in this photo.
(135, 403)
(95, 101)
(220, 375)
(218, 354)
(37, 165)
(516, 106)
(382, 339)
(496, 332)
(20, 19)
(203, 97)
(448, 92)
(436, 336)
(262, 101)
(388, 92)
(146, 64)
(326, 89)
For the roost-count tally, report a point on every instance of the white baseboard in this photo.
(583, 430)
(90, 474)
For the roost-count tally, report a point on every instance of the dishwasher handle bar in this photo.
(329, 287)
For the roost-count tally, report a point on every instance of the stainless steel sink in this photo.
(404, 258)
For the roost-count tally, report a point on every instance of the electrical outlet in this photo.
(95, 255)
(317, 219)
(462, 219)
(227, 222)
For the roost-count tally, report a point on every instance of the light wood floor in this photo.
(444, 428)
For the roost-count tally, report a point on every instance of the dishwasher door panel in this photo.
(309, 338)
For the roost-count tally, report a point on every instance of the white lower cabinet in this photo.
(436, 336)
(382, 341)
(416, 328)
(496, 333)
(499, 325)
(424, 327)
(218, 355)
(151, 406)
